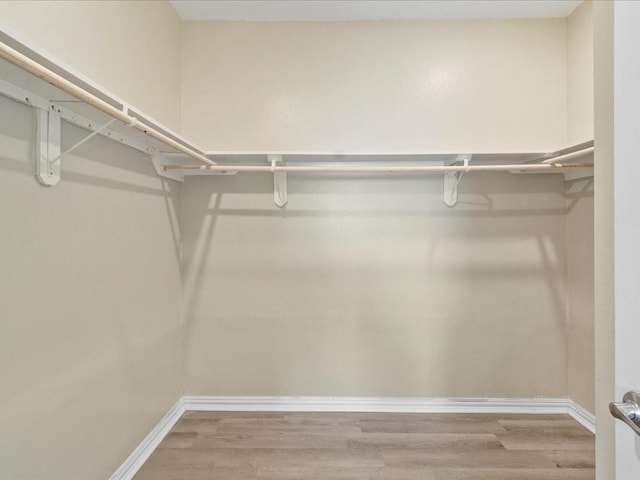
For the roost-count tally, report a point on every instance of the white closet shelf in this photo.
(58, 93)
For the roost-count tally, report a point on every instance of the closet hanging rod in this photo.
(378, 169)
(568, 156)
(22, 61)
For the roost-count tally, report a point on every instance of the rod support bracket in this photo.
(48, 133)
(159, 160)
(452, 179)
(280, 196)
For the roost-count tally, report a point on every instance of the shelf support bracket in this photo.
(48, 154)
(159, 160)
(84, 140)
(451, 181)
(280, 197)
(47, 147)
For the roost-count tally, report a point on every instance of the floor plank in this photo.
(372, 446)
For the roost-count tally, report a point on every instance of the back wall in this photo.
(391, 86)
(373, 287)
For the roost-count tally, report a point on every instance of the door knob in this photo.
(628, 411)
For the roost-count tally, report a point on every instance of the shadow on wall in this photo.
(578, 190)
(101, 163)
(373, 286)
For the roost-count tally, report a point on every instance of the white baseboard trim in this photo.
(397, 405)
(582, 416)
(140, 455)
(347, 404)
(377, 404)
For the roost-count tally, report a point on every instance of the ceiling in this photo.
(337, 10)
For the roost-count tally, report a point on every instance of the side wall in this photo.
(372, 287)
(424, 86)
(580, 296)
(90, 282)
(91, 342)
(130, 48)
(580, 258)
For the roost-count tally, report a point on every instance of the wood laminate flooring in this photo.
(376, 446)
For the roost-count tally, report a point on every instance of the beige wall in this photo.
(91, 343)
(130, 47)
(580, 324)
(580, 74)
(434, 86)
(374, 287)
(580, 214)
(276, 80)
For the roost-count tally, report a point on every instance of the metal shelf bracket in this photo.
(48, 154)
(451, 181)
(280, 197)
(47, 147)
(159, 159)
